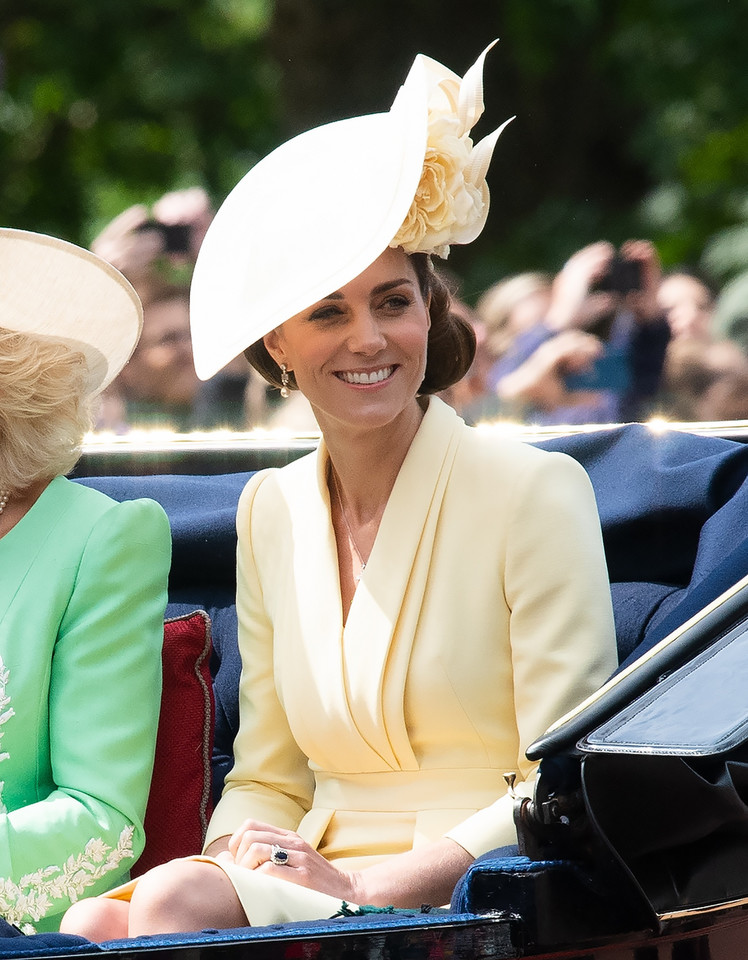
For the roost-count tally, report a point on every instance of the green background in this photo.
(631, 114)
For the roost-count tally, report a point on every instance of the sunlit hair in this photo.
(44, 408)
(451, 339)
(496, 305)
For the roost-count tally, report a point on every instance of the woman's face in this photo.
(686, 303)
(359, 354)
(161, 368)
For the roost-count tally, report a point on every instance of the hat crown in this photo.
(57, 290)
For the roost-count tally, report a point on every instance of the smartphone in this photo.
(176, 236)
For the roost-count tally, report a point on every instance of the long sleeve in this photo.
(264, 742)
(82, 825)
(561, 630)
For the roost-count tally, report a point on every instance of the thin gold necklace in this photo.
(351, 538)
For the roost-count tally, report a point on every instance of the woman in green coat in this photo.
(82, 592)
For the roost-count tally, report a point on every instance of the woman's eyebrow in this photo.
(381, 288)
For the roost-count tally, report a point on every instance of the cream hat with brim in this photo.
(57, 290)
(320, 209)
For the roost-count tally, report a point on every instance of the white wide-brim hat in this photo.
(320, 209)
(57, 290)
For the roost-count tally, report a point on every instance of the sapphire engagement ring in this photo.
(278, 855)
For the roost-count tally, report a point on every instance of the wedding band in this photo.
(278, 855)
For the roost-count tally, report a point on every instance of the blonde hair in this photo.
(495, 306)
(44, 408)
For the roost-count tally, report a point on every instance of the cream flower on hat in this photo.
(451, 202)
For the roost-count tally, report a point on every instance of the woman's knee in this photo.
(97, 919)
(166, 889)
(184, 895)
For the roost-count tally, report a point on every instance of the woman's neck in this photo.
(20, 503)
(367, 462)
(364, 464)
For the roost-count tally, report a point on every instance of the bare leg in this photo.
(183, 896)
(97, 918)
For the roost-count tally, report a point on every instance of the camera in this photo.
(176, 236)
(622, 276)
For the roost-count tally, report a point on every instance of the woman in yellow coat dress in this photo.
(417, 600)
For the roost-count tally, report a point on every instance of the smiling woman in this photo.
(416, 601)
(451, 338)
(361, 352)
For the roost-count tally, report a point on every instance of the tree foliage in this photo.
(631, 116)
(106, 103)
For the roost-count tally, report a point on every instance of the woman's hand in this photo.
(128, 247)
(573, 304)
(425, 875)
(191, 208)
(251, 846)
(539, 381)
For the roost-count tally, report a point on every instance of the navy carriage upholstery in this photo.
(672, 507)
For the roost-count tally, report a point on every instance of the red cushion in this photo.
(180, 801)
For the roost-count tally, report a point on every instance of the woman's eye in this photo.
(397, 302)
(328, 312)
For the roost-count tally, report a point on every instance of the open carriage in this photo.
(635, 844)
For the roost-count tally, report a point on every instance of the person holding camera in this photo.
(159, 245)
(156, 250)
(599, 352)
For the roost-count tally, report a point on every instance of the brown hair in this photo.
(451, 339)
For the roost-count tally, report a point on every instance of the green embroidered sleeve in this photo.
(86, 698)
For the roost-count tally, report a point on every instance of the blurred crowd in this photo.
(156, 249)
(610, 338)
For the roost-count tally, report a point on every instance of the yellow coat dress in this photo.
(483, 615)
